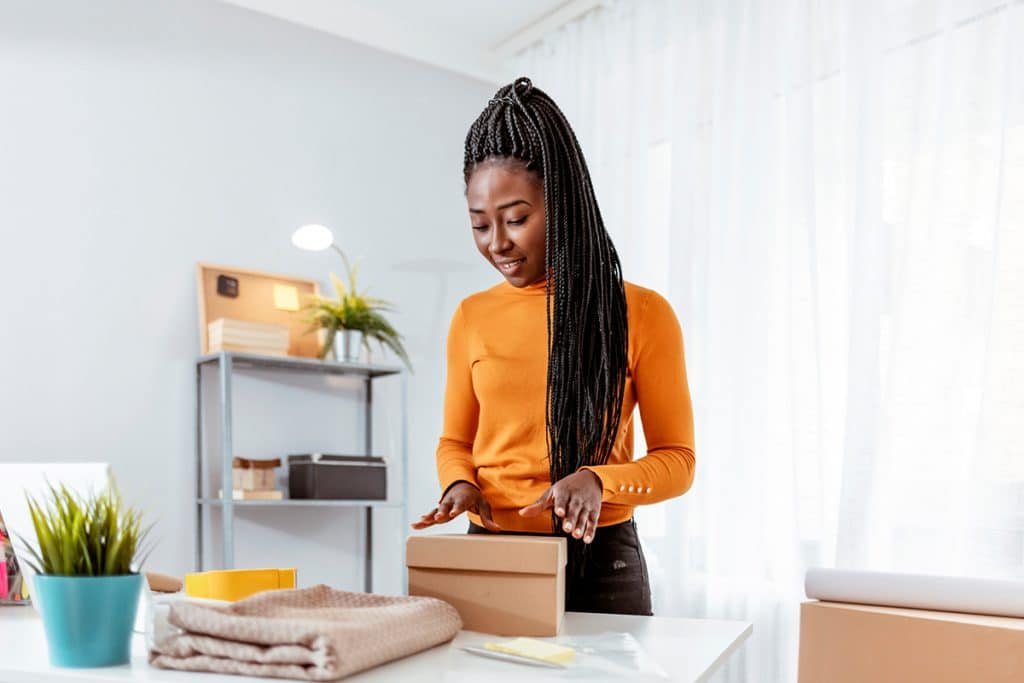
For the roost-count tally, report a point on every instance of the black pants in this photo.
(609, 575)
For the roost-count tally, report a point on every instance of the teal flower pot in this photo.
(88, 619)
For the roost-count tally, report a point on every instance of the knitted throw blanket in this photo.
(315, 634)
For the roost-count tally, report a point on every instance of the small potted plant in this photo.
(352, 320)
(87, 583)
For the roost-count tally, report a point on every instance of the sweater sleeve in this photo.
(461, 410)
(662, 392)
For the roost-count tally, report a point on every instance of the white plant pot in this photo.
(348, 346)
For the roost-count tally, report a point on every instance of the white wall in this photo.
(137, 138)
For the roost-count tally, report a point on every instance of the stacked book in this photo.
(266, 339)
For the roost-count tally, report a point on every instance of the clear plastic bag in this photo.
(600, 657)
(611, 655)
(158, 627)
(154, 612)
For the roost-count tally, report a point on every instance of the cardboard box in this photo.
(843, 643)
(506, 585)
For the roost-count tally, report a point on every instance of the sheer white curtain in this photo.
(831, 194)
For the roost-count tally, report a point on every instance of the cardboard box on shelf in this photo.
(505, 585)
(845, 643)
(250, 474)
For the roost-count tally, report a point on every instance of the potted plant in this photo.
(87, 583)
(352, 320)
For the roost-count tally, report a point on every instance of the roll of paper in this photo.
(999, 597)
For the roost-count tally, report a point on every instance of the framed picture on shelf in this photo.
(250, 310)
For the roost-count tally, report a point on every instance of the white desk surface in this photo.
(687, 649)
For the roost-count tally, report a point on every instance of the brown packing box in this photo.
(506, 585)
(841, 643)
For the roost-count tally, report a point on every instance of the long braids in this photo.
(586, 301)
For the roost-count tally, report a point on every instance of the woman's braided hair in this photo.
(586, 300)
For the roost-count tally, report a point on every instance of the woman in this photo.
(544, 369)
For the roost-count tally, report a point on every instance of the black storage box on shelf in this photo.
(337, 477)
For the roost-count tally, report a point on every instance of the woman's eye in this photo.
(480, 227)
(517, 222)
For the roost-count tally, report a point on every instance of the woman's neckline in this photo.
(539, 287)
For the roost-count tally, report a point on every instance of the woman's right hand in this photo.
(459, 498)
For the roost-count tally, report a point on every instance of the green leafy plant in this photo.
(355, 310)
(94, 535)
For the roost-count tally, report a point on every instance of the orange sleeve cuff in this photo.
(454, 464)
(658, 476)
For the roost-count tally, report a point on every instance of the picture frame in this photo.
(257, 296)
(13, 588)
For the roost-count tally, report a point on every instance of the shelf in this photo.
(217, 502)
(311, 365)
(223, 364)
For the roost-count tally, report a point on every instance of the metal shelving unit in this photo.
(226, 363)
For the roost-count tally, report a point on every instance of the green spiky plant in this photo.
(93, 535)
(354, 310)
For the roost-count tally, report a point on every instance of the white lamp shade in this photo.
(312, 238)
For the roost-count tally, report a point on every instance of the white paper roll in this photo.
(1000, 597)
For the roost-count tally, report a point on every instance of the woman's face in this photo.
(506, 209)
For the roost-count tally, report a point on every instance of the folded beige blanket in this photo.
(316, 634)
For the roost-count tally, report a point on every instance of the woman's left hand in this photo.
(576, 500)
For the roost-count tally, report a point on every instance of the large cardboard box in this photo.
(843, 643)
(506, 585)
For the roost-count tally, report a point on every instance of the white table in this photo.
(687, 649)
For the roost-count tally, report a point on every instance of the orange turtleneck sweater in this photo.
(494, 433)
